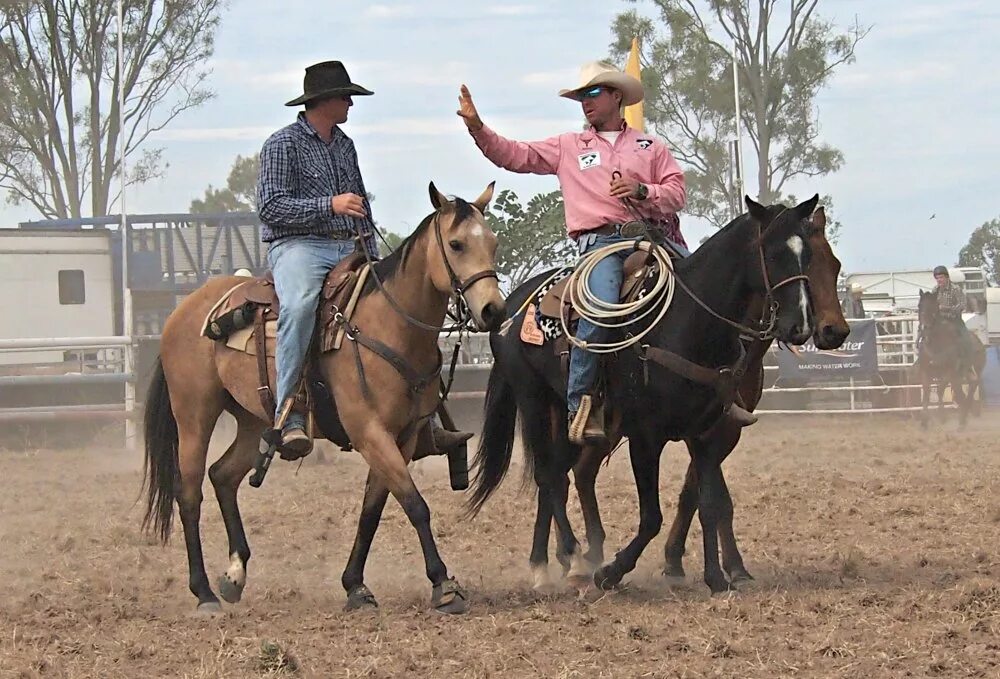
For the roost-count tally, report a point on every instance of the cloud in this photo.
(389, 11)
(199, 134)
(515, 127)
(560, 78)
(512, 10)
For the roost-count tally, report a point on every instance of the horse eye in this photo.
(456, 245)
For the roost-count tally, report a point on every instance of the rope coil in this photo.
(615, 315)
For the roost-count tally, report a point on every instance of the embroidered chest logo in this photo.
(589, 160)
(644, 143)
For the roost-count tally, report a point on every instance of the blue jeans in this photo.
(299, 265)
(605, 283)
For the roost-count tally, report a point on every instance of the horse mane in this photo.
(393, 264)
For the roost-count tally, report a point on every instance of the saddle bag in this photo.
(237, 319)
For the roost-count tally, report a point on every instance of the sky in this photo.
(915, 115)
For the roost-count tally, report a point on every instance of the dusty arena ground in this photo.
(875, 548)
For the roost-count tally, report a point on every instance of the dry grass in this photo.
(874, 547)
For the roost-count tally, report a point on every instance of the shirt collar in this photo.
(307, 127)
(591, 132)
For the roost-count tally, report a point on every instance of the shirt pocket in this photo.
(314, 179)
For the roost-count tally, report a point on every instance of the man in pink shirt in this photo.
(597, 168)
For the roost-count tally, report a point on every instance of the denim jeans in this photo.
(605, 283)
(299, 265)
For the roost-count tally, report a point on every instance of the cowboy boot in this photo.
(741, 415)
(445, 440)
(586, 425)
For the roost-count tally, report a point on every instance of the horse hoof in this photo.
(360, 597)
(728, 593)
(740, 576)
(674, 570)
(209, 609)
(607, 578)
(230, 591)
(449, 598)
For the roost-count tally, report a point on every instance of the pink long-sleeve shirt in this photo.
(584, 162)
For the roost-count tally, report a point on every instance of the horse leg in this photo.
(925, 393)
(710, 510)
(585, 480)
(732, 560)
(194, 429)
(389, 464)
(580, 572)
(226, 475)
(353, 577)
(539, 559)
(687, 505)
(645, 459)
(958, 394)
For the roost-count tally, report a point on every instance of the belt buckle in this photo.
(633, 229)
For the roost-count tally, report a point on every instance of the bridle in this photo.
(462, 317)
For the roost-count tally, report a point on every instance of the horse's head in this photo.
(462, 256)
(831, 327)
(928, 310)
(780, 256)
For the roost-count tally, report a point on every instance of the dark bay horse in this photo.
(452, 252)
(727, 274)
(947, 355)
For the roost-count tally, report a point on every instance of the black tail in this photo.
(160, 470)
(496, 445)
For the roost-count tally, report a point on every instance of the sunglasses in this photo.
(591, 93)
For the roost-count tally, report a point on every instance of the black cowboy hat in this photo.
(327, 79)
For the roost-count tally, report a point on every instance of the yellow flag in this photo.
(633, 113)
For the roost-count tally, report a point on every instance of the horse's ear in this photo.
(438, 199)
(484, 198)
(804, 210)
(819, 219)
(756, 210)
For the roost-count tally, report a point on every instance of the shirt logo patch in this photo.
(589, 160)
(644, 143)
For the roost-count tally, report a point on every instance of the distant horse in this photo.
(730, 272)
(384, 382)
(947, 355)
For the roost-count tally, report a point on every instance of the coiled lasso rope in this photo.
(616, 315)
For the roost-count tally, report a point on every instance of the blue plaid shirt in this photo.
(299, 174)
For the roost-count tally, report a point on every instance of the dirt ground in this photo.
(874, 545)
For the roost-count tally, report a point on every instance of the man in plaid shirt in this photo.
(312, 202)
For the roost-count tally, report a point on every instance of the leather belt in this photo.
(631, 229)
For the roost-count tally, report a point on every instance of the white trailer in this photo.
(55, 283)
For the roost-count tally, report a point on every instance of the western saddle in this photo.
(245, 318)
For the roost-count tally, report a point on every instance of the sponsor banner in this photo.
(856, 357)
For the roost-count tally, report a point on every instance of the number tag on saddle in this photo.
(530, 332)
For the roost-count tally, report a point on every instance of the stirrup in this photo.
(741, 415)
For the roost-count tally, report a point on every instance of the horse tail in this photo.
(496, 445)
(160, 467)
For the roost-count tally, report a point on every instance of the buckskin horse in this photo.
(383, 385)
(947, 356)
(768, 239)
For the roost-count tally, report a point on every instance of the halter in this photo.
(458, 288)
(769, 316)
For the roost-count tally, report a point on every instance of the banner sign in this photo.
(856, 357)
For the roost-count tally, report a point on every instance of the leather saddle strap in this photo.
(260, 344)
(415, 380)
(725, 381)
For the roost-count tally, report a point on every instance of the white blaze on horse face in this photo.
(796, 245)
(476, 230)
(237, 573)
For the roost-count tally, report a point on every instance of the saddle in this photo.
(246, 316)
(637, 269)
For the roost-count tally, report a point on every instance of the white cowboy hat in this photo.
(595, 73)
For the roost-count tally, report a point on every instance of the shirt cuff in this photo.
(324, 206)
